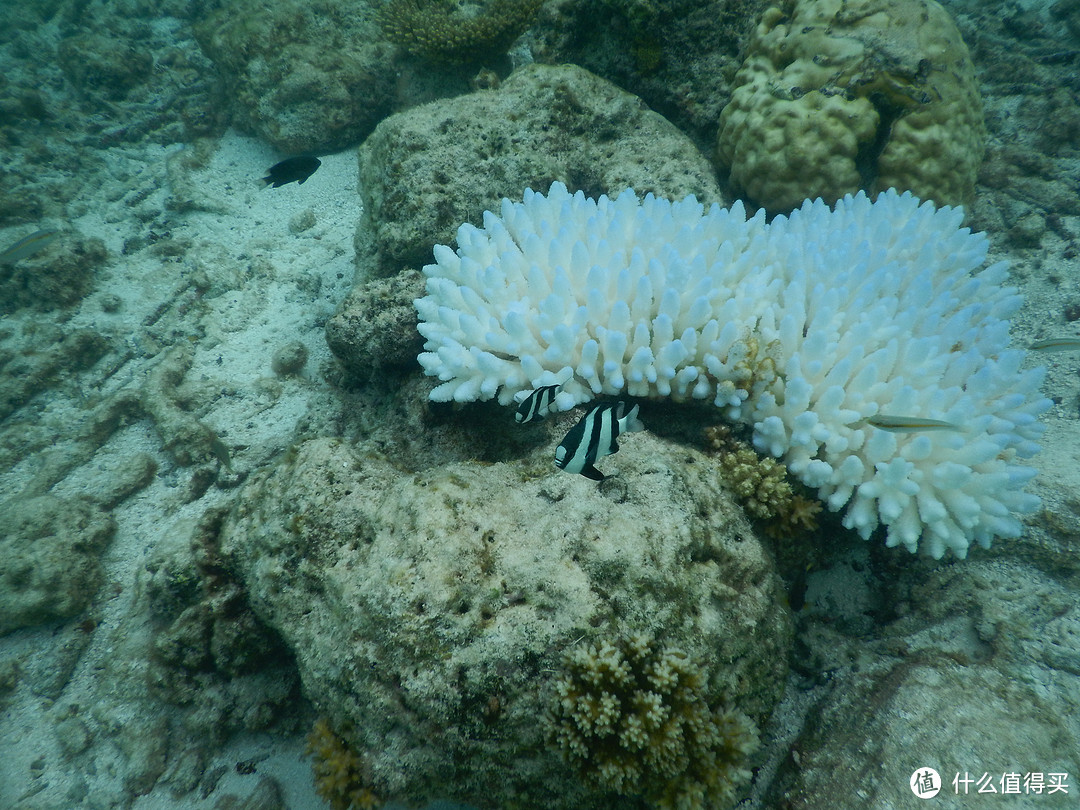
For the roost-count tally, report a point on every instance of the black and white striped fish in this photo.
(594, 437)
(537, 404)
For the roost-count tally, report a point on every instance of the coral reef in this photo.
(339, 772)
(437, 30)
(815, 330)
(426, 610)
(835, 96)
(634, 718)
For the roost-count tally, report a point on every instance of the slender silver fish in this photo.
(1059, 344)
(29, 245)
(908, 424)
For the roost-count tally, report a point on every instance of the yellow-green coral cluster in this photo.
(838, 95)
(634, 718)
(437, 30)
(339, 771)
(761, 485)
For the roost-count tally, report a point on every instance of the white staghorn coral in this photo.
(803, 328)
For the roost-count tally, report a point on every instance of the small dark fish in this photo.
(221, 452)
(537, 404)
(594, 437)
(294, 169)
(28, 245)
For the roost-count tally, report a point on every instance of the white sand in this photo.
(261, 281)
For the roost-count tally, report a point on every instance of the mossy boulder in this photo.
(431, 613)
(50, 548)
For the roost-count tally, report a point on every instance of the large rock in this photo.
(304, 76)
(50, 549)
(425, 171)
(431, 613)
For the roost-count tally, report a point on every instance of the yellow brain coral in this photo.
(838, 95)
(633, 717)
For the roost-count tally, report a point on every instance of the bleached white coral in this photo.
(803, 328)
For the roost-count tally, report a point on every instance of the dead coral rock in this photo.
(679, 55)
(425, 171)
(61, 275)
(376, 328)
(104, 66)
(429, 613)
(186, 438)
(50, 548)
(28, 373)
(210, 653)
(304, 76)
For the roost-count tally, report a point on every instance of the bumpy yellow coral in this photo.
(761, 485)
(634, 719)
(339, 771)
(838, 95)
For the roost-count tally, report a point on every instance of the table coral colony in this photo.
(808, 329)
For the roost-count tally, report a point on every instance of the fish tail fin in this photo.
(630, 423)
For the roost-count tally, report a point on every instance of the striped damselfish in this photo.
(537, 404)
(594, 437)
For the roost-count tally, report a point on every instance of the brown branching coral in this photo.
(761, 485)
(633, 717)
(439, 31)
(339, 771)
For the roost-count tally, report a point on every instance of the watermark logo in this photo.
(925, 783)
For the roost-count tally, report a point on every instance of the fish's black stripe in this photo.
(596, 430)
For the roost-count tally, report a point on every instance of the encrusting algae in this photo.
(339, 771)
(633, 717)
